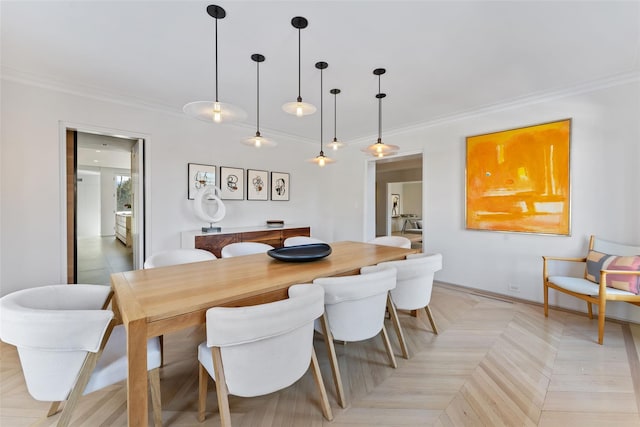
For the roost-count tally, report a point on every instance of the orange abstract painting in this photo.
(518, 180)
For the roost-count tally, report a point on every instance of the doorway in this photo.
(105, 206)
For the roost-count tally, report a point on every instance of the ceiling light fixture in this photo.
(216, 112)
(380, 149)
(321, 159)
(298, 107)
(258, 140)
(335, 144)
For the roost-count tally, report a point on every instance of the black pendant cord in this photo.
(216, 55)
(335, 116)
(299, 68)
(321, 135)
(257, 98)
(379, 112)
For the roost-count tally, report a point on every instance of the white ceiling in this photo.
(443, 58)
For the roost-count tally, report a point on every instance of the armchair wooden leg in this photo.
(221, 388)
(546, 299)
(396, 324)
(431, 320)
(601, 318)
(387, 345)
(590, 310)
(203, 377)
(317, 375)
(161, 339)
(83, 378)
(53, 409)
(335, 369)
(156, 399)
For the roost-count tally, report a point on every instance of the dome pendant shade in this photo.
(258, 140)
(298, 107)
(380, 149)
(215, 111)
(321, 159)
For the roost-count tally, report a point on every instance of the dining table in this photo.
(158, 301)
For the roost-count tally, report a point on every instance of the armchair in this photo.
(612, 273)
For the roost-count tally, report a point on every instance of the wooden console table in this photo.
(215, 241)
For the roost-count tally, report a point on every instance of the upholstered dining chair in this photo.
(68, 345)
(414, 284)
(260, 349)
(177, 256)
(301, 240)
(612, 273)
(244, 248)
(398, 241)
(354, 311)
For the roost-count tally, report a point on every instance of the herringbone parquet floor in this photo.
(494, 363)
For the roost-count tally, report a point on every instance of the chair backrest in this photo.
(301, 240)
(54, 327)
(414, 281)
(266, 347)
(613, 248)
(355, 305)
(244, 248)
(398, 241)
(178, 256)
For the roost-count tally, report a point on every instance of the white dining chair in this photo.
(68, 345)
(301, 240)
(414, 285)
(257, 350)
(398, 241)
(177, 256)
(354, 311)
(244, 248)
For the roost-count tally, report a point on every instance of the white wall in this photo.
(604, 170)
(88, 203)
(412, 200)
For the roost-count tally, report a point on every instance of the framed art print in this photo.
(280, 186)
(257, 188)
(231, 183)
(199, 176)
(518, 180)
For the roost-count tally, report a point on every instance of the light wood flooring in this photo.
(494, 363)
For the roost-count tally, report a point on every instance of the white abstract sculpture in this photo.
(203, 196)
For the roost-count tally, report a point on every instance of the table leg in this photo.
(137, 392)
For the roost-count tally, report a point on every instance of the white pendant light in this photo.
(215, 111)
(258, 140)
(299, 108)
(335, 144)
(321, 159)
(380, 149)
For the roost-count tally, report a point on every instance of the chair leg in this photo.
(396, 324)
(590, 310)
(53, 409)
(317, 375)
(221, 388)
(387, 345)
(601, 316)
(335, 369)
(161, 339)
(83, 378)
(546, 299)
(431, 320)
(203, 377)
(156, 396)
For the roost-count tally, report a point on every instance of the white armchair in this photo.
(398, 241)
(177, 256)
(301, 240)
(68, 346)
(244, 248)
(260, 349)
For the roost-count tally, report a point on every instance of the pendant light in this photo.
(321, 159)
(258, 140)
(335, 144)
(298, 107)
(216, 111)
(380, 149)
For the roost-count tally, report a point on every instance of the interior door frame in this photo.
(68, 154)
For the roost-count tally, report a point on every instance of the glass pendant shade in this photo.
(380, 149)
(335, 144)
(258, 140)
(215, 111)
(321, 160)
(298, 107)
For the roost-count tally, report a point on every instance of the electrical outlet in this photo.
(513, 287)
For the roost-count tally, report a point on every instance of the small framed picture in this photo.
(257, 185)
(280, 186)
(199, 176)
(231, 183)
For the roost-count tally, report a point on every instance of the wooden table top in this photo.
(163, 293)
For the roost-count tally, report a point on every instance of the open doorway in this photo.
(398, 206)
(104, 206)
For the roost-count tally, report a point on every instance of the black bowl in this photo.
(301, 253)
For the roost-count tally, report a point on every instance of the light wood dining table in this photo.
(161, 300)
